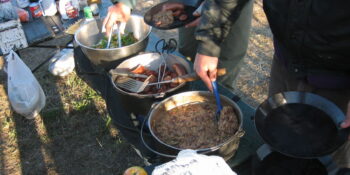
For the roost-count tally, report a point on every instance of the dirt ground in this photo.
(74, 133)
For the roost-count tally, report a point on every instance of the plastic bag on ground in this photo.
(24, 91)
(189, 162)
(62, 63)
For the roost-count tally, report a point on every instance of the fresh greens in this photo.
(126, 39)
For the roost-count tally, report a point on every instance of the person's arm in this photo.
(119, 12)
(216, 20)
(346, 122)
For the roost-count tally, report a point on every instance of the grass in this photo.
(72, 135)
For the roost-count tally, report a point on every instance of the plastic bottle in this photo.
(82, 4)
(48, 7)
(22, 3)
(69, 9)
(95, 10)
(88, 14)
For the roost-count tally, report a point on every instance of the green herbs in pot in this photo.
(127, 39)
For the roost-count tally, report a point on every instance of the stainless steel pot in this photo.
(226, 149)
(90, 34)
(144, 101)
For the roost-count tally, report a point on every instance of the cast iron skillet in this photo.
(177, 22)
(301, 124)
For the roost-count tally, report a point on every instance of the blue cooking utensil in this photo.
(217, 97)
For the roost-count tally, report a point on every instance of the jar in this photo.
(69, 9)
(35, 10)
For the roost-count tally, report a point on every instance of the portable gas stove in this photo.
(270, 162)
(128, 123)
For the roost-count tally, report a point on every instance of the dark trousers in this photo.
(233, 49)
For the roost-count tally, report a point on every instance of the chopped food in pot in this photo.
(193, 126)
(127, 39)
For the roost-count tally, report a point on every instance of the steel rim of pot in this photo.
(239, 133)
(90, 33)
(128, 46)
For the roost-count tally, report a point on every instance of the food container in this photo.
(226, 149)
(35, 10)
(144, 102)
(91, 33)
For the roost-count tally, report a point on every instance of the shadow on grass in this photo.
(73, 134)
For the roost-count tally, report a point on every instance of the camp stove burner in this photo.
(272, 162)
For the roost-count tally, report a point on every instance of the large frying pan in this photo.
(300, 124)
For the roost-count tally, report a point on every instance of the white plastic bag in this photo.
(189, 162)
(24, 91)
(62, 63)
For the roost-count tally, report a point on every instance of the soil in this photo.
(74, 134)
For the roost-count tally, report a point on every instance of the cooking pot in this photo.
(225, 149)
(90, 33)
(300, 124)
(144, 102)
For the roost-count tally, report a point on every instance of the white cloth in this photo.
(188, 162)
(62, 63)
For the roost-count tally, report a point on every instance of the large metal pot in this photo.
(226, 149)
(144, 101)
(90, 34)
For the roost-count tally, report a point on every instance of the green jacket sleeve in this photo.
(216, 21)
(129, 3)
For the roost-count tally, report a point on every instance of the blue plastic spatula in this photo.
(218, 102)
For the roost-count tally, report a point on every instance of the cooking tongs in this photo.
(136, 86)
(162, 47)
(120, 27)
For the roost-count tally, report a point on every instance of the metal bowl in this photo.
(90, 34)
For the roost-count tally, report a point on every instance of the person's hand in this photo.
(197, 13)
(194, 23)
(206, 68)
(116, 13)
(346, 122)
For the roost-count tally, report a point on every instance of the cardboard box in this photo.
(12, 36)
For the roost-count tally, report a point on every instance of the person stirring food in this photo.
(218, 38)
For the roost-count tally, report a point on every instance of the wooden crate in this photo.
(12, 36)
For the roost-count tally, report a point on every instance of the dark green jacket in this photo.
(216, 21)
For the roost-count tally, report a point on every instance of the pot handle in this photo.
(159, 95)
(240, 133)
(147, 146)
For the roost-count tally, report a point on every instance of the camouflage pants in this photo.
(233, 49)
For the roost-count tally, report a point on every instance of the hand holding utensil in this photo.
(136, 86)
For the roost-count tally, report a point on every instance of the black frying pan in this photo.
(301, 124)
(177, 22)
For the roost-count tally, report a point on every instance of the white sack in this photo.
(189, 162)
(62, 63)
(24, 91)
